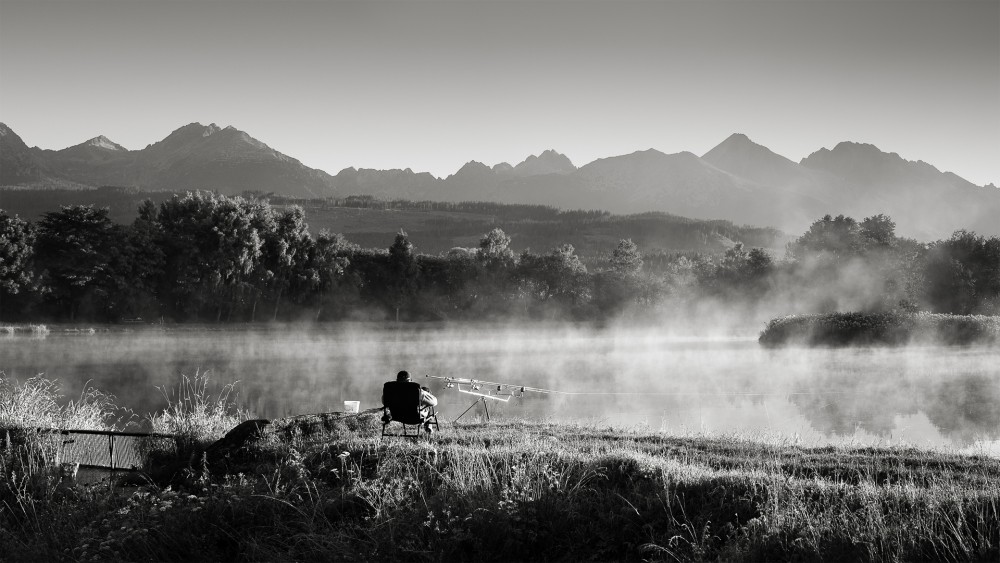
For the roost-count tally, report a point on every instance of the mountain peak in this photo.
(4, 130)
(503, 168)
(739, 155)
(548, 162)
(103, 142)
(738, 138)
(472, 167)
(866, 163)
(849, 151)
(739, 143)
(195, 129)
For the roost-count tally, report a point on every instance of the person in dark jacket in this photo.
(427, 400)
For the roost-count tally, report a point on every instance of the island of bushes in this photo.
(892, 328)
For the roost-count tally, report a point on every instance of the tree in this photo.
(963, 274)
(558, 275)
(740, 271)
(879, 230)
(494, 250)
(17, 240)
(403, 272)
(493, 287)
(325, 268)
(72, 255)
(213, 246)
(831, 239)
(626, 259)
(135, 263)
(286, 252)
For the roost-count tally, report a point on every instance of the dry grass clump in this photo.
(194, 414)
(34, 330)
(34, 403)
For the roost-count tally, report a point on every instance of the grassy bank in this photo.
(889, 328)
(517, 490)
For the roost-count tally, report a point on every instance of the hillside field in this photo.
(435, 228)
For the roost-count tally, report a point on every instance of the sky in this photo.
(430, 85)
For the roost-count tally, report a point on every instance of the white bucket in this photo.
(352, 406)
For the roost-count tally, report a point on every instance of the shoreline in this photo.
(518, 490)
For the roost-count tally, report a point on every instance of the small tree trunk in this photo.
(277, 302)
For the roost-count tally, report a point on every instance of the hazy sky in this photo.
(431, 85)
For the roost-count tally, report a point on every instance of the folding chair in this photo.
(401, 403)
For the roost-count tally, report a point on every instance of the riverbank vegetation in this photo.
(513, 490)
(207, 257)
(894, 328)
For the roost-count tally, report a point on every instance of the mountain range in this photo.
(738, 180)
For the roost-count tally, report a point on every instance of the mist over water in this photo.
(627, 376)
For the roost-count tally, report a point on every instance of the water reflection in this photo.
(925, 396)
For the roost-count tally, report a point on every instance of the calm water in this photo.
(927, 396)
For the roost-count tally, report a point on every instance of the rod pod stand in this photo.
(476, 402)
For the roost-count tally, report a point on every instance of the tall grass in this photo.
(194, 414)
(527, 491)
(34, 403)
(30, 411)
(31, 476)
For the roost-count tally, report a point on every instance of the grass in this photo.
(888, 328)
(35, 404)
(32, 329)
(518, 490)
(194, 414)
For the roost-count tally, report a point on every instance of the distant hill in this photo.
(921, 198)
(438, 227)
(16, 164)
(738, 180)
(195, 156)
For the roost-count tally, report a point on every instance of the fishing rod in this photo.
(502, 392)
(495, 390)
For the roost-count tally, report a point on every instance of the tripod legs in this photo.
(480, 400)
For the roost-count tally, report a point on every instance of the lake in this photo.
(941, 397)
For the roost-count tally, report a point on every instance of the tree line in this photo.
(205, 257)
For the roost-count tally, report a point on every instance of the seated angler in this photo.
(424, 406)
